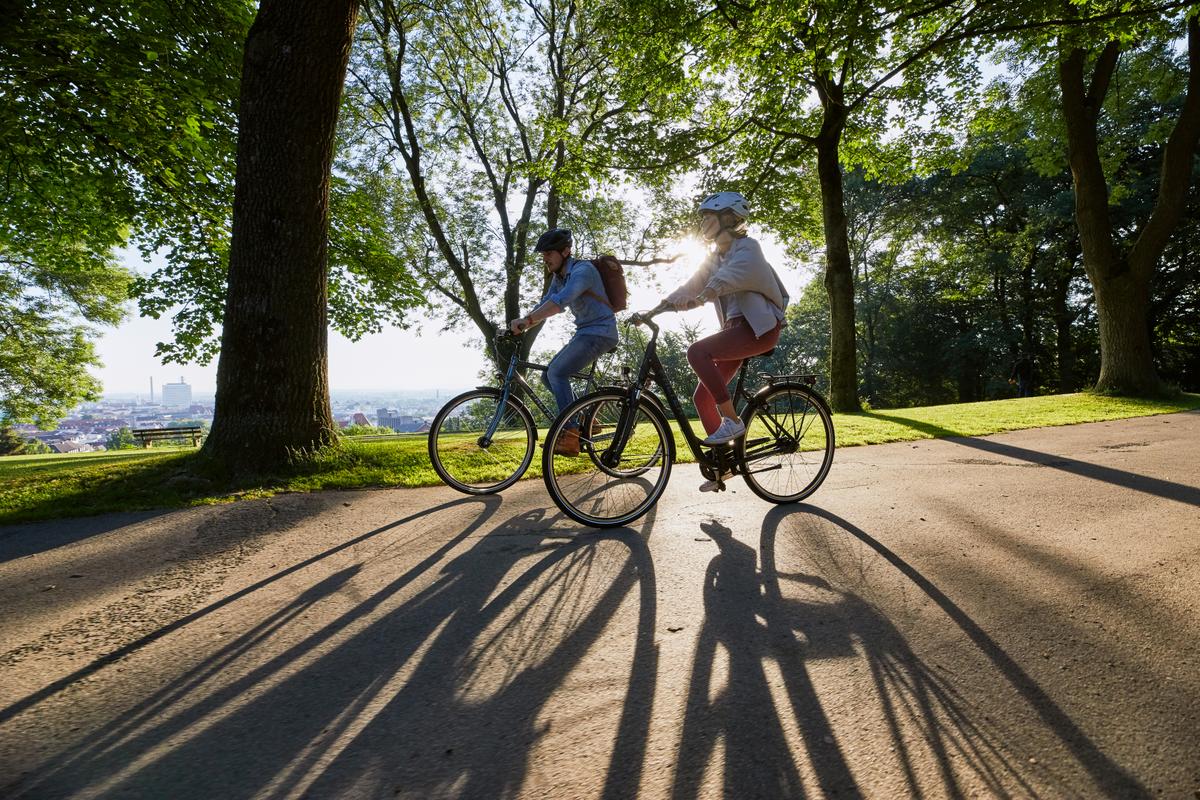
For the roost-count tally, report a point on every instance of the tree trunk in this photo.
(1121, 276)
(1028, 311)
(1126, 361)
(839, 275)
(272, 379)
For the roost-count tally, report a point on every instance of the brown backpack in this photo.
(612, 274)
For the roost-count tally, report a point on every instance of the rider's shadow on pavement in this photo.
(445, 693)
(758, 697)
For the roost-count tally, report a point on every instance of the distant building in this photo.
(68, 446)
(361, 418)
(400, 423)
(177, 395)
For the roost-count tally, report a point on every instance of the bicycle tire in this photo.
(466, 458)
(581, 494)
(777, 442)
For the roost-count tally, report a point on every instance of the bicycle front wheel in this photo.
(611, 482)
(595, 435)
(466, 458)
(788, 447)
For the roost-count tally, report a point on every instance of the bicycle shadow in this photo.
(761, 698)
(1109, 776)
(423, 688)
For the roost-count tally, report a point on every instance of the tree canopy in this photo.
(117, 128)
(981, 180)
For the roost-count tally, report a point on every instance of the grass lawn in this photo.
(50, 486)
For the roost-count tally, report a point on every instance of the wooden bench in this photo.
(148, 435)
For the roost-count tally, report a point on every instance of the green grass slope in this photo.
(51, 486)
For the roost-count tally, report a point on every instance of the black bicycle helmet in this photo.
(554, 239)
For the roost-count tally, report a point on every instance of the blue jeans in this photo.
(581, 351)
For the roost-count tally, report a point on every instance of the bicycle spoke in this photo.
(610, 482)
(793, 439)
(469, 462)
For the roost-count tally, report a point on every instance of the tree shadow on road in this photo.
(437, 683)
(1169, 490)
(26, 539)
(489, 507)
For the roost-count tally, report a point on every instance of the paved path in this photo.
(1009, 616)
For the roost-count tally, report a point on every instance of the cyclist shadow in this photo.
(763, 632)
(445, 692)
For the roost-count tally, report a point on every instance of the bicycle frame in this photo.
(651, 368)
(514, 380)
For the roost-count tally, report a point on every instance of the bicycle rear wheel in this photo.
(607, 484)
(464, 459)
(789, 441)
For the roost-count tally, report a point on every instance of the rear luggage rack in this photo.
(807, 379)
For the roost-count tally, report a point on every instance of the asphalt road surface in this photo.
(1012, 616)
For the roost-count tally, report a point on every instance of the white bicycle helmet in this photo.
(726, 200)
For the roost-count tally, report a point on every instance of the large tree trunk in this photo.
(1126, 360)
(1121, 276)
(272, 378)
(839, 274)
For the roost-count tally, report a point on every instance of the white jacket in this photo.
(742, 271)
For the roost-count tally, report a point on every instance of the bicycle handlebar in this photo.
(505, 333)
(645, 317)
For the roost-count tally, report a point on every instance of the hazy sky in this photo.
(390, 360)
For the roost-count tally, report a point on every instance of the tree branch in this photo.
(1106, 65)
(1176, 175)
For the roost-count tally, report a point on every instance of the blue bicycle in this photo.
(483, 441)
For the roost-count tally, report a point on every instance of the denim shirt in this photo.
(579, 293)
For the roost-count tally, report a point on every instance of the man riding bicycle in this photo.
(575, 284)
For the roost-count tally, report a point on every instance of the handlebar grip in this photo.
(642, 317)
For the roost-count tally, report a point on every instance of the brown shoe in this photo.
(567, 443)
(597, 429)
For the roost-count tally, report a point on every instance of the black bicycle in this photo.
(784, 456)
(482, 441)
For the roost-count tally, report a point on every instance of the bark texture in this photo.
(272, 379)
(1121, 275)
(839, 272)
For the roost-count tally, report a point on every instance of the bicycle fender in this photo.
(656, 407)
(756, 398)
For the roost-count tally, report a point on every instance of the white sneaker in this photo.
(730, 429)
(712, 486)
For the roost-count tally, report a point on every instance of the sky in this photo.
(393, 359)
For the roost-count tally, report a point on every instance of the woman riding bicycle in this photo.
(750, 302)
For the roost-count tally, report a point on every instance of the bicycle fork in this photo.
(485, 440)
(612, 455)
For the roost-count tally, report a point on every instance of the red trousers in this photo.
(717, 358)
